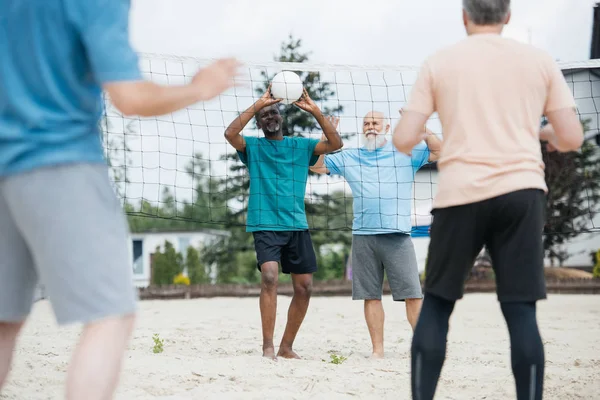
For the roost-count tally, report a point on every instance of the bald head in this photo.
(375, 127)
(375, 120)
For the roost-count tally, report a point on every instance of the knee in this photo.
(303, 289)
(269, 280)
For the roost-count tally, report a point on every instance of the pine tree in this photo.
(573, 199)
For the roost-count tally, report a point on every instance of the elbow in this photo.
(127, 108)
(400, 144)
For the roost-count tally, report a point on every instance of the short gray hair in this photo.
(486, 12)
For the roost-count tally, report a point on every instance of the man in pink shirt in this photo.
(490, 94)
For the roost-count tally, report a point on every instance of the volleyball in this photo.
(287, 86)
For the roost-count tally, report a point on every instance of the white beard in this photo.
(372, 143)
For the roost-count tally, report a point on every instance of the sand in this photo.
(212, 351)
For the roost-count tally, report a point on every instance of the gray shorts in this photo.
(394, 254)
(63, 227)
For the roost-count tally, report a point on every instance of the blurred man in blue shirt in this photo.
(381, 179)
(61, 223)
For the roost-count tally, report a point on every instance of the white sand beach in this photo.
(212, 351)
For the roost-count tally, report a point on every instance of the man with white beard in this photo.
(381, 179)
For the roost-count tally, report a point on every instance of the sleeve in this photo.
(559, 93)
(312, 143)
(104, 29)
(250, 145)
(335, 163)
(421, 96)
(420, 155)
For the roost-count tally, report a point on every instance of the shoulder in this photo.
(301, 142)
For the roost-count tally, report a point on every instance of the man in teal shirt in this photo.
(278, 168)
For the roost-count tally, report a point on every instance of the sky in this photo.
(369, 32)
(374, 32)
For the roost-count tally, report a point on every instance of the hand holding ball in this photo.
(287, 86)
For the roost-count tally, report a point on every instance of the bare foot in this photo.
(287, 353)
(377, 355)
(269, 352)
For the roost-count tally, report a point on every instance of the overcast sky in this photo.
(368, 32)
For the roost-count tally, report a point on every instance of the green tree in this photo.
(195, 269)
(573, 199)
(296, 121)
(596, 270)
(166, 265)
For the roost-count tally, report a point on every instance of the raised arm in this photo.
(146, 98)
(409, 131)
(332, 140)
(319, 167)
(234, 130)
(564, 132)
(434, 144)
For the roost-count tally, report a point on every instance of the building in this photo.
(144, 245)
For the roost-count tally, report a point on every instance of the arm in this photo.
(564, 132)
(320, 167)
(103, 27)
(146, 98)
(333, 140)
(409, 131)
(234, 130)
(434, 144)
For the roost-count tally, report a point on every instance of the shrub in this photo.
(596, 271)
(181, 280)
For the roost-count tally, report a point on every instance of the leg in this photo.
(457, 236)
(96, 363)
(527, 349)
(375, 317)
(367, 285)
(17, 283)
(268, 247)
(517, 253)
(80, 207)
(413, 309)
(400, 262)
(8, 340)
(298, 259)
(428, 350)
(268, 305)
(296, 313)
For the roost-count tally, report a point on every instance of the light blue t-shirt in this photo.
(381, 182)
(278, 172)
(54, 57)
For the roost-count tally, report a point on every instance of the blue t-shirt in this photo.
(54, 57)
(278, 172)
(381, 182)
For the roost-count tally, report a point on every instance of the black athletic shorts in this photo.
(293, 249)
(510, 226)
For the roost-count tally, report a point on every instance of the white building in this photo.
(144, 245)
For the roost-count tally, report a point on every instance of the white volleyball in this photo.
(287, 86)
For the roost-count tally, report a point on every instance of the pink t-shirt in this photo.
(490, 94)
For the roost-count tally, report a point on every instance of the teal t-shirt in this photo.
(278, 172)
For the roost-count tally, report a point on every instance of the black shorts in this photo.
(293, 249)
(511, 228)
